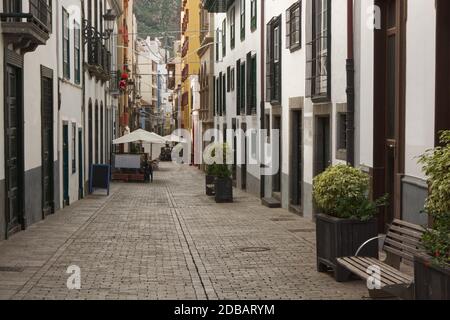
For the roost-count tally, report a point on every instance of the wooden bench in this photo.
(402, 242)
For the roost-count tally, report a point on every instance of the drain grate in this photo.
(255, 249)
(11, 269)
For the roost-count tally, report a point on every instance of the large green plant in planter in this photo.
(436, 165)
(346, 221)
(342, 191)
(210, 179)
(223, 184)
(432, 270)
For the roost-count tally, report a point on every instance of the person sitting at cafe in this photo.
(148, 171)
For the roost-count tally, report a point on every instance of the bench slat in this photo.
(362, 267)
(409, 225)
(401, 247)
(357, 271)
(414, 234)
(385, 275)
(410, 240)
(398, 253)
(400, 276)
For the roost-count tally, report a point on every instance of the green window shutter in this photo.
(228, 79)
(288, 28)
(254, 15)
(238, 87)
(224, 38)
(242, 20)
(249, 83)
(254, 84)
(215, 97)
(224, 94)
(269, 62)
(243, 75)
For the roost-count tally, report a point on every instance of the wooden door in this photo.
(13, 148)
(47, 146)
(389, 114)
(276, 182)
(322, 145)
(296, 159)
(66, 164)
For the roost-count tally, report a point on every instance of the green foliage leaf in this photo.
(436, 165)
(343, 191)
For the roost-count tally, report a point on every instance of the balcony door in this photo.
(12, 6)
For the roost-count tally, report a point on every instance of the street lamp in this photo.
(91, 32)
(109, 18)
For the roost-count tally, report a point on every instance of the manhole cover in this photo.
(255, 249)
(281, 219)
(11, 269)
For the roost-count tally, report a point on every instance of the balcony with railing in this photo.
(216, 6)
(185, 48)
(206, 30)
(98, 56)
(171, 69)
(26, 30)
(114, 88)
(185, 73)
(185, 21)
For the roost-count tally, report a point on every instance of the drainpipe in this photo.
(262, 107)
(350, 66)
(83, 102)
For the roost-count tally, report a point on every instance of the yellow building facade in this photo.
(190, 61)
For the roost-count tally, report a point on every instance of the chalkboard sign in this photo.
(99, 178)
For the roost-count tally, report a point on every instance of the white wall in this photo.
(338, 64)
(338, 56)
(420, 84)
(44, 55)
(71, 99)
(293, 71)
(252, 42)
(95, 90)
(2, 130)
(364, 73)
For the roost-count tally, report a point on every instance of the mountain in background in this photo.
(154, 17)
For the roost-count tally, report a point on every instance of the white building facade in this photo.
(238, 96)
(47, 79)
(28, 131)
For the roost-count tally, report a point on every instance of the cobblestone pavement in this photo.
(167, 240)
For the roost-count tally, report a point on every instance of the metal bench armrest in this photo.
(367, 242)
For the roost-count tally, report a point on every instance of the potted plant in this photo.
(347, 217)
(223, 184)
(432, 267)
(210, 179)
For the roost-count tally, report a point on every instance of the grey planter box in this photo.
(210, 185)
(336, 238)
(431, 282)
(224, 190)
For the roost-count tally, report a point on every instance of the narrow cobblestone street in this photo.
(167, 240)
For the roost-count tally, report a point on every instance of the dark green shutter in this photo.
(238, 87)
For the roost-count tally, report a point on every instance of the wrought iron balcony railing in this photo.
(26, 30)
(98, 56)
(217, 5)
(40, 13)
